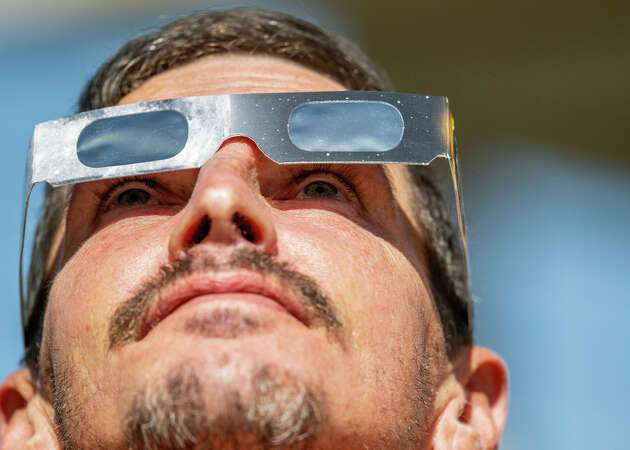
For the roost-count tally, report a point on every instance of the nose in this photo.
(226, 206)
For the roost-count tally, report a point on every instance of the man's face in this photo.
(243, 302)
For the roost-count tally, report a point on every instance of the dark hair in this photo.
(260, 32)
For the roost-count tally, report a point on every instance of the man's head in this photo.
(251, 303)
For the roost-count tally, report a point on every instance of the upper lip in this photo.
(232, 281)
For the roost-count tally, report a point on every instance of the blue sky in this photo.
(547, 234)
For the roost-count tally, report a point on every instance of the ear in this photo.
(25, 418)
(474, 413)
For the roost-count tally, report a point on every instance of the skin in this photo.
(360, 246)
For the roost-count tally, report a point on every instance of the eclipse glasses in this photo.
(349, 127)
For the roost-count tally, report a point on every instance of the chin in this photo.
(241, 401)
(211, 369)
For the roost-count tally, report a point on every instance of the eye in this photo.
(320, 189)
(133, 197)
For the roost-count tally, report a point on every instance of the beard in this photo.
(192, 408)
(273, 409)
(268, 407)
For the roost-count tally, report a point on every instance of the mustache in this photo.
(125, 324)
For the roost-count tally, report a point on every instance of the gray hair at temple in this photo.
(256, 32)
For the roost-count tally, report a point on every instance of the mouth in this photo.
(238, 285)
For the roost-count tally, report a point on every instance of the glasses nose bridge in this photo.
(226, 206)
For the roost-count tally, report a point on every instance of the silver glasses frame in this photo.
(264, 118)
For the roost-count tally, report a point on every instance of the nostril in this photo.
(202, 230)
(244, 226)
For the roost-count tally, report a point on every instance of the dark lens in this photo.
(131, 139)
(346, 126)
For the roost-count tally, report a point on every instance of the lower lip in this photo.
(227, 298)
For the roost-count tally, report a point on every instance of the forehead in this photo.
(232, 74)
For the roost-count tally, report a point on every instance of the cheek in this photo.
(105, 271)
(381, 300)
(374, 286)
